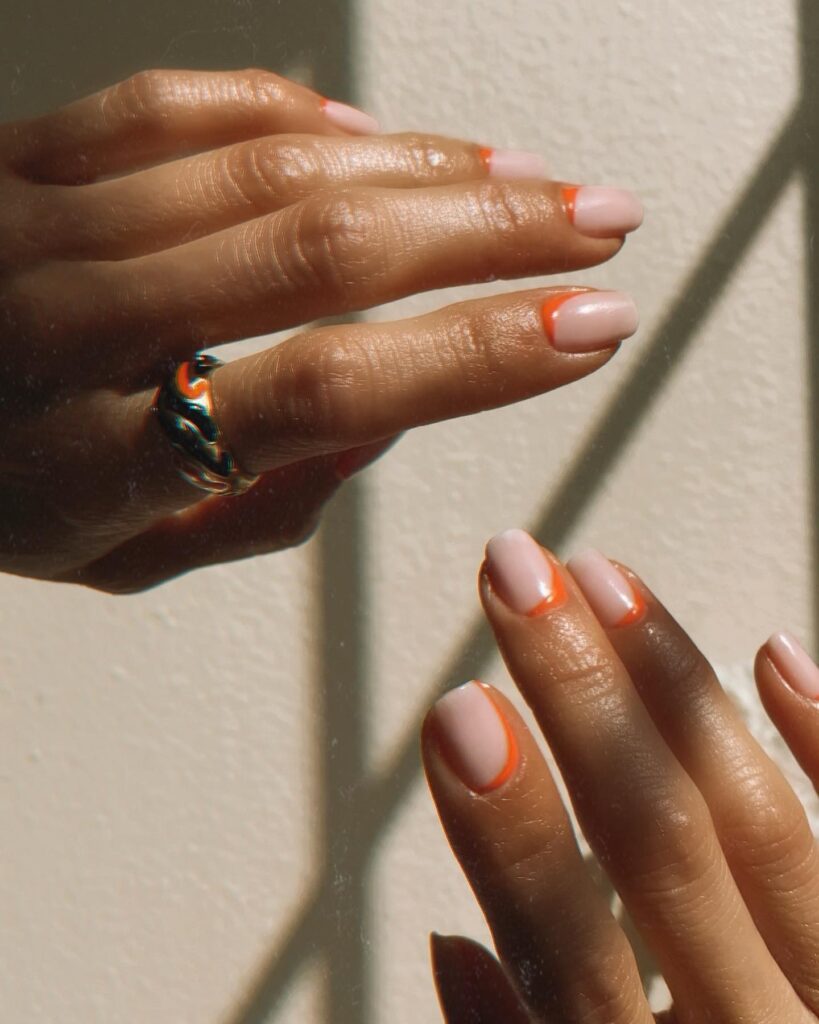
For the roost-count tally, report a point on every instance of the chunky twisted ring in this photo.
(184, 407)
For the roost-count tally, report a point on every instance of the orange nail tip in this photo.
(636, 612)
(513, 755)
(548, 312)
(485, 154)
(552, 600)
(568, 194)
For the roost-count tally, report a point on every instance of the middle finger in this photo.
(199, 195)
(642, 814)
(330, 254)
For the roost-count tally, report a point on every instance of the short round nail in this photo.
(601, 212)
(589, 321)
(475, 738)
(513, 163)
(349, 119)
(522, 575)
(611, 596)
(794, 664)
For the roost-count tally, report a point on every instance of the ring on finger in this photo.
(183, 406)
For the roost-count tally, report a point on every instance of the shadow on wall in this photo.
(45, 59)
(51, 51)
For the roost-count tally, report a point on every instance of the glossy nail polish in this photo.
(588, 321)
(512, 163)
(349, 119)
(611, 596)
(475, 737)
(794, 664)
(602, 212)
(522, 575)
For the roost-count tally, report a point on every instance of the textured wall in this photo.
(240, 835)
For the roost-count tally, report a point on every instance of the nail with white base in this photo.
(349, 119)
(475, 738)
(794, 664)
(611, 597)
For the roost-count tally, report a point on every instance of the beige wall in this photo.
(166, 802)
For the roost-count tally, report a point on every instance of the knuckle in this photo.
(259, 171)
(765, 827)
(503, 211)
(428, 157)
(144, 96)
(338, 241)
(325, 388)
(668, 844)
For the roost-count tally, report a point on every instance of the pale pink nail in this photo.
(478, 744)
(795, 665)
(521, 573)
(349, 119)
(513, 163)
(602, 212)
(610, 595)
(588, 321)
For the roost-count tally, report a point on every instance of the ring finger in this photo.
(186, 199)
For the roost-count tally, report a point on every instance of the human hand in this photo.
(181, 210)
(698, 831)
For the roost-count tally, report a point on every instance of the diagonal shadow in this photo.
(376, 803)
(809, 46)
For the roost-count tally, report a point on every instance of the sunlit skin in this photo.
(696, 828)
(180, 210)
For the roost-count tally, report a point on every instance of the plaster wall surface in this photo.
(183, 832)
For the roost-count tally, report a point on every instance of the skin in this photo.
(696, 828)
(180, 210)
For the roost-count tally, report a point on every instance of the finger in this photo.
(761, 825)
(346, 386)
(472, 986)
(281, 511)
(641, 812)
(157, 114)
(327, 255)
(187, 199)
(507, 826)
(788, 683)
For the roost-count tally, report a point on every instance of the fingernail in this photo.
(611, 596)
(513, 163)
(349, 119)
(795, 665)
(602, 212)
(475, 738)
(589, 321)
(522, 575)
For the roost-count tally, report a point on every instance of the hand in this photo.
(181, 210)
(697, 829)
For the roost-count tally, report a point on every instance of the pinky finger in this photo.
(472, 986)
(788, 683)
(281, 511)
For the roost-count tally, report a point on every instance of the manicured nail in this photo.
(611, 596)
(602, 212)
(513, 163)
(522, 575)
(795, 665)
(475, 737)
(589, 321)
(349, 119)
